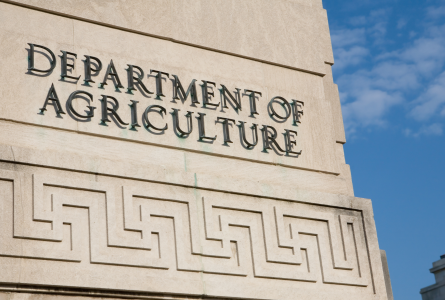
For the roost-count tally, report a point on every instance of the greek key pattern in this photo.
(206, 231)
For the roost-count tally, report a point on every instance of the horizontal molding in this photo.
(171, 147)
(95, 293)
(304, 196)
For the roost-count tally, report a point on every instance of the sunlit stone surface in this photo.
(181, 149)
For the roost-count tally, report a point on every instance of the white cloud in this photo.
(431, 102)
(428, 54)
(378, 32)
(401, 23)
(436, 12)
(394, 79)
(358, 21)
(350, 57)
(433, 129)
(346, 37)
(393, 76)
(369, 108)
(373, 17)
(378, 14)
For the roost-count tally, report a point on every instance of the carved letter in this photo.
(208, 94)
(202, 131)
(161, 111)
(269, 138)
(290, 143)
(65, 65)
(283, 102)
(297, 113)
(225, 124)
(89, 68)
(254, 135)
(132, 80)
(176, 122)
(159, 83)
(252, 99)
(73, 95)
(178, 89)
(134, 114)
(31, 67)
(235, 101)
(110, 111)
(52, 96)
(111, 72)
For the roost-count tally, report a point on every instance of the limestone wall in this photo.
(121, 204)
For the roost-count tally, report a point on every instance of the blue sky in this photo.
(390, 69)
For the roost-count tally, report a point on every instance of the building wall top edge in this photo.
(305, 45)
(432, 287)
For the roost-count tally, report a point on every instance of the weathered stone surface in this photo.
(386, 275)
(186, 62)
(107, 210)
(93, 231)
(290, 33)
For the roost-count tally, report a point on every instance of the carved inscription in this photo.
(279, 109)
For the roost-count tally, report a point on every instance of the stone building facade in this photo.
(436, 291)
(177, 149)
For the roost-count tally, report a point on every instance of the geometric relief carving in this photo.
(181, 229)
